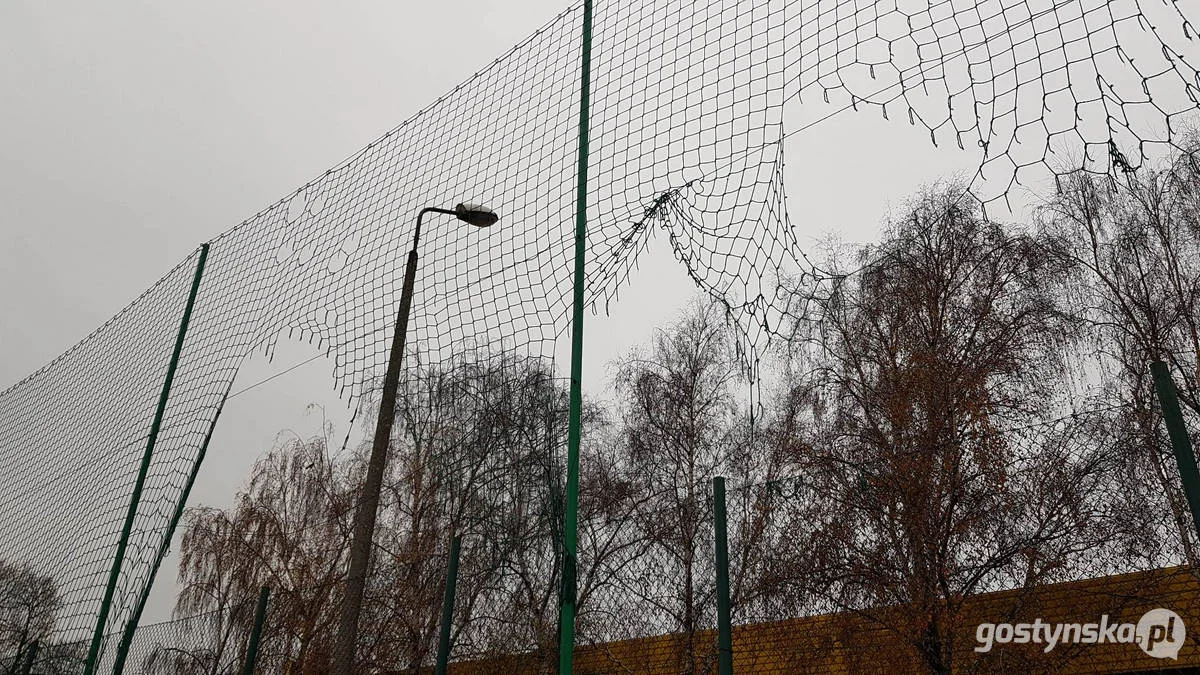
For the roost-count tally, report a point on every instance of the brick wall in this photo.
(873, 643)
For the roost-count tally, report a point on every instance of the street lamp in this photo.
(368, 500)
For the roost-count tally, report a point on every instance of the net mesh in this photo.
(688, 131)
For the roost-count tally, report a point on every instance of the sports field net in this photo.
(688, 130)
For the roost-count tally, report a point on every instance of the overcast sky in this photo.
(133, 131)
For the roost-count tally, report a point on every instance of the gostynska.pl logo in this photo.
(1160, 633)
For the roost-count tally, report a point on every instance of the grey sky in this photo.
(131, 132)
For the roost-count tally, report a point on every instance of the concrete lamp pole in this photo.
(368, 500)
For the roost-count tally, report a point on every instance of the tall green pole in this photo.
(724, 629)
(131, 625)
(1180, 443)
(260, 616)
(443, 653)
(566, 614)
(122, 543)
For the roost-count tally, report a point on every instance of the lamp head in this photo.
(476, 214)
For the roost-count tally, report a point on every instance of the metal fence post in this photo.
(260, 615)
(443, 653)
(30, 656)
(1180, 443)
(131, 625)
(567, 590)
(724, 629)
(123, 542)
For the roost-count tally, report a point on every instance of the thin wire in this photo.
(279, 374)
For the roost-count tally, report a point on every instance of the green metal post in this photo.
(566, 614)
(260, 616)
(131, 625)
(1180, 443)
(443, 653)
(30, 657)
(122, 543)
(724, 629)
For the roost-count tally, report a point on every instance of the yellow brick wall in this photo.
(850, 643)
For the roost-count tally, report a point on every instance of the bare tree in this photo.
(927, 387)
(289, 531)
(1134, 244)
(476, 453)
(29, 606)
(681, 427)
(480, 455)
